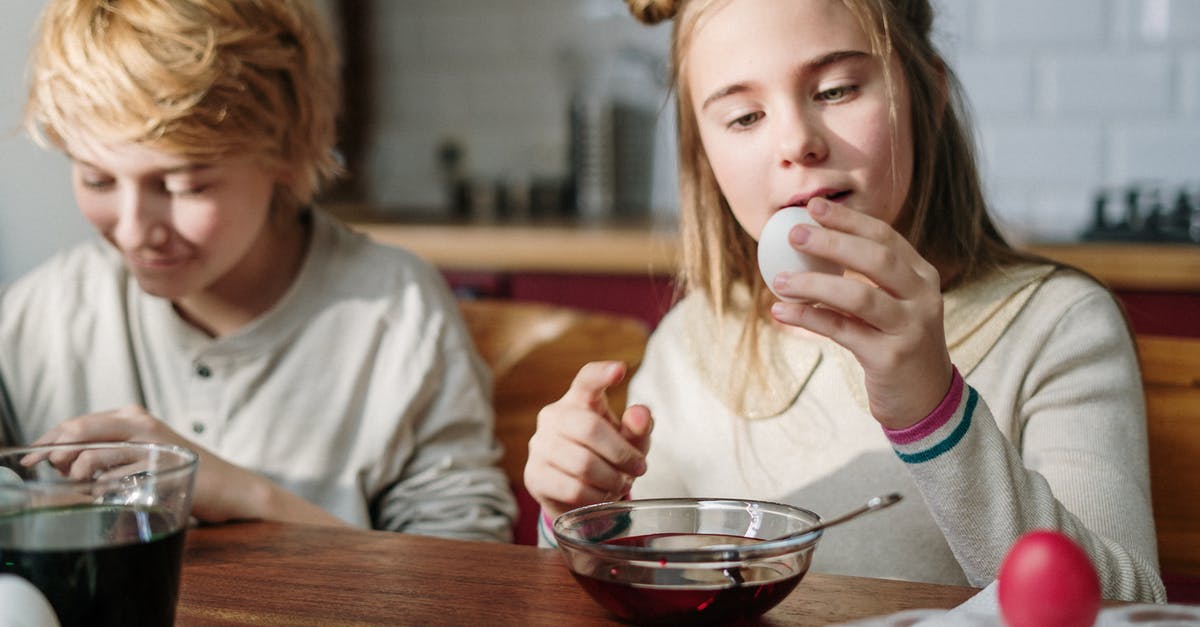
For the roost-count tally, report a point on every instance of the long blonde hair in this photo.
(945, 216)
(204, 79)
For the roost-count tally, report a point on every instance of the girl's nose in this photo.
(140, 220)
(802, 141)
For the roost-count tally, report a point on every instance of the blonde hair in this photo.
(203, 79)
(944, 216)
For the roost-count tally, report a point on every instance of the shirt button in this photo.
(203, 371)
(198, 427)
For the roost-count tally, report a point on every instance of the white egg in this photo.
(776, 255)
(10, 476)
(23, 605)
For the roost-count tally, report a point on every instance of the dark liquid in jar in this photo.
(123, 571)
(740, 595)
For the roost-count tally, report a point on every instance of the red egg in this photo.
(1047, 580)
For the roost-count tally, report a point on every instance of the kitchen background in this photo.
(487, 108)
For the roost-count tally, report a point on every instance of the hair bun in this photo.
(653, 11)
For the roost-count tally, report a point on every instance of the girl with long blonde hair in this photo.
(1000, 392)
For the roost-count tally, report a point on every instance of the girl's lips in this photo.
(802, 200)
(839, 196)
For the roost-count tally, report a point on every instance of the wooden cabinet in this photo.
(644, 296)
(629, 269)
(1158, 284)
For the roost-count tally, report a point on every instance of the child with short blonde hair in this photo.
(321, 377)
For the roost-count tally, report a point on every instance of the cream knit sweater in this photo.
(1055, 435)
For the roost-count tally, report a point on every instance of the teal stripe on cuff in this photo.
(545, 532)
(951, 440)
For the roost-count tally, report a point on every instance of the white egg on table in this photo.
(23, 605)
(10, 476)
(775, 253)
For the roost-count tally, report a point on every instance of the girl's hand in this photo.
(890, 317)
(581, 453)
(223, 491)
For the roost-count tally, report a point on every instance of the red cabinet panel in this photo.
(649, 297)
(1162, 313)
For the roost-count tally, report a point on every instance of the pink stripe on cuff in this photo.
(934, 421)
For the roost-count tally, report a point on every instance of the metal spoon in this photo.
(734, 573)
(872, 504)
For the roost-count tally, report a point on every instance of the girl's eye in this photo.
(96, 183)
(746, 120)
(837, 94)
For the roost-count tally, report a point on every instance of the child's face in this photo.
(790, 104)
(181, 227)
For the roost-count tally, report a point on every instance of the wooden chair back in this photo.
(534, 351)
(1171, 377)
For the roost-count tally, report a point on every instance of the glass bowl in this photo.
(689, 560)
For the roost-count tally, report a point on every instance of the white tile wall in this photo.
(1071, 96)
(1068, 96)
(1167, 151)
(1104, 85)
(1036, 153)
(495, 75)
(1047, 24)
(999, 87)
(37, 211)
(1189, 86)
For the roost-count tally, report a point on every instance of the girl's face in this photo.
(183, 228)
(790, 105)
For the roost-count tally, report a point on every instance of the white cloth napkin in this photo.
(983, 610)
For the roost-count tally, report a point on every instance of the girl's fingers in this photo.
(577, 457)
(864, 227)
(579, 427)
(558, 492)
(585, 467)
(636, 425)
(547, 480)
(591, 382)
(867, 246)
(604, 440)
(581, 453)
(847, 331)
(854, 300)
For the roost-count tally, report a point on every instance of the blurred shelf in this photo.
(1139, 267)
(631, 248)
(563, 248)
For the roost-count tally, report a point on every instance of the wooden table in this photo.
(260, 573)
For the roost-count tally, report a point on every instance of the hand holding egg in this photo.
(775, 253)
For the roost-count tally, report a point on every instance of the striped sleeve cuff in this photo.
(546, 527)
(544, 530)
(941, 430)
